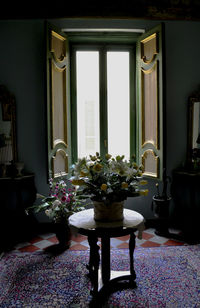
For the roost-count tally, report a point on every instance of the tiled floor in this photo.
(149, 239)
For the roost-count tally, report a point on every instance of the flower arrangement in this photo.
(107, 179)
(61, 202)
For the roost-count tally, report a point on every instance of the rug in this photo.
(166, 277)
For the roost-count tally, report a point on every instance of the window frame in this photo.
(144, 151)
(103, 47)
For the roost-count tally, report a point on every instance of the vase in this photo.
(160, 206)
(63, 234)
(108, 212)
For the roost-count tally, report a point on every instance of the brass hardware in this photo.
(105, 143)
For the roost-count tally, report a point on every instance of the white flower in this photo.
(49, 213)
(56, 204)
(79, 165)
(130, 173)
(89, 164)
(62, 183)
(119, 167)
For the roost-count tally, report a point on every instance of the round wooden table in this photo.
(106, 280)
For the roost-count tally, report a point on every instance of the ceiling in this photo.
(137, 9)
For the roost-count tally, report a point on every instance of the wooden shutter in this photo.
(58, 104)
(150, 102)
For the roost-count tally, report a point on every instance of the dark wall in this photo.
(22, 70)
(22, 63)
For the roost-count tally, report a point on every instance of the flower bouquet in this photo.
(108, 180)
(58, 206)
(61, 202)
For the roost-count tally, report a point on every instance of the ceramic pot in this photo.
(161, 207)
(108, 212)
(161, 212)
(63, 234)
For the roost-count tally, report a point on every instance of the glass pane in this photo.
(118, 103)
(87, 102)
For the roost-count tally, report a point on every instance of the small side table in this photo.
(105, 280)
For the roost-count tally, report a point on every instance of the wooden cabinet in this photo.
(185, 190)
(16, 194)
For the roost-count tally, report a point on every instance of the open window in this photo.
(144, 96)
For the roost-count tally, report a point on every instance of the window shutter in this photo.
(150, 102)
(58, 103)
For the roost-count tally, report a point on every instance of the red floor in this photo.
(80, 242)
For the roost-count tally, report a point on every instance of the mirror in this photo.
(195, 126)
(194, 131)
(8, 149)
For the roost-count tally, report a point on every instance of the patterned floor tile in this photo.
(83, 243)
(150, 244)
(45, 236)
(173, 243)
(124, 238)
(123, 245)
(80, 242)
(115, 242)
(158, 239)
(78, 247)
(36, 239)
(53, 239)
(147, 236)
(43, 244)
(29, 248)
(78, 238)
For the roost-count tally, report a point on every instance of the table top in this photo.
(85, 220)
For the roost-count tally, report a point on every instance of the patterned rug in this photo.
(166, 277)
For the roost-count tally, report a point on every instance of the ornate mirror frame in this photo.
(8, 114)
(193, 148)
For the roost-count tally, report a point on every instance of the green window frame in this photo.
(146, 94)
(103, 49)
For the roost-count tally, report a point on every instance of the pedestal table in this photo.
(105, 281)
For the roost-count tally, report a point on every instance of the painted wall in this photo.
(22, 70)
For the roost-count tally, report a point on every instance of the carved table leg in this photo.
(131, 252)
(105, 266)
(93, 265)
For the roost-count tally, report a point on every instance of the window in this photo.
(102, 100)
(87, 100)
(105, 95)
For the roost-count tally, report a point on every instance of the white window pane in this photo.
(87, 102)
(118, 103)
